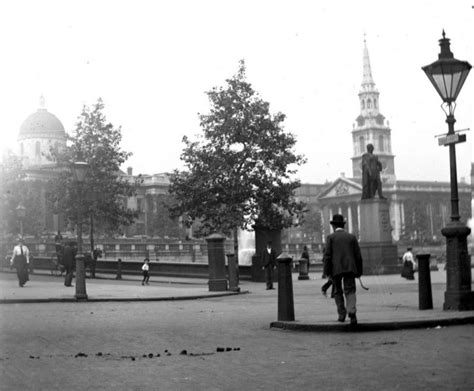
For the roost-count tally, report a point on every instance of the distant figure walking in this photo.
(343, 263)
(269, 263)
(20, 260)
(58, 241)
(408, 269)
(146, 271)
(69, 261)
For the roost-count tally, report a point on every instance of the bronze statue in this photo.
(371, 168)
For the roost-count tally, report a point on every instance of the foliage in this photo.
(239, 169)
(161, 224)
(311, 226)
(15, 191)
(106, 189)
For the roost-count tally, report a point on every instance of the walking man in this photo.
(269, 263)
(69, 260)
(20, 260)
(343, 263)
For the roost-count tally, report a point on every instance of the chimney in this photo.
(130, 171)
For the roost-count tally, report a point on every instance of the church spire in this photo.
(368, 83)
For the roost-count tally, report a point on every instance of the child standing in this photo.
(146, 271)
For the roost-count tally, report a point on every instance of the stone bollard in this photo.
(233, 269)
(303, 264)
(81, 293)
(216, 259)
(424, 282)
(119, 270)
(286, 309)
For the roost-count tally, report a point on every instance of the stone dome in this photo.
(42, 123)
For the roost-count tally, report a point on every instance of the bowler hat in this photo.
(338, 219)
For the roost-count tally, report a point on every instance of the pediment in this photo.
(341, 187)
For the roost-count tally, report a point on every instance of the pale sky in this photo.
(153, 61)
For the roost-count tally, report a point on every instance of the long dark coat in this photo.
(342, 254)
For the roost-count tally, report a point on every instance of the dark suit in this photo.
(69, 258)
(343, 262)
(269, 262)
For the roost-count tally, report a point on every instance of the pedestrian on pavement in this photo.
(328, 283)
(20, 260)
(269, 263)
(69, 261)
(305, 255)
(408, 269)
(146, 271)
(58, 242)
(343, 263)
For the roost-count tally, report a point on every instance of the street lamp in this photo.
(448, 75)
(79, 170)
(21, 213)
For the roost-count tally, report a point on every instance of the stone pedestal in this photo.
(286, 308)
(81, 293)
(233, 271)
(425, 297)
(380, 255)
(216, 259)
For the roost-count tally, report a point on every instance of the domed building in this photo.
(40, 132)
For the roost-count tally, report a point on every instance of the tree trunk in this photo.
(236, 246)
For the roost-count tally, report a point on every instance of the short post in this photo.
(303, 264)
(233, 269)
(286, 309)
(81, 293)
(119, 269)
(424, 282)
(216, 262)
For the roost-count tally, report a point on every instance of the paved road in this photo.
(101, 345)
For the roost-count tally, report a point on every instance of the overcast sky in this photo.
(153, 61)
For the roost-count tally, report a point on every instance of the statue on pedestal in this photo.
(371, 167)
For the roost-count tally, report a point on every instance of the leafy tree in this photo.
(106, 189)
(160, 223)
(312, 223)
(239, 170)
(16, 190)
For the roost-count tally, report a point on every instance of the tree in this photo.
(18, 189)
(106, 189)
(239, 170)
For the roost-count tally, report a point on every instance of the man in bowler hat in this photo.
(343, 262)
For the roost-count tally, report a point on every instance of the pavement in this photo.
(390, 303)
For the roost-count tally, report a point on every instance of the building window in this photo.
(362, 103)
(369, 104)
(375, 103)
(37, 149)
(381, 148)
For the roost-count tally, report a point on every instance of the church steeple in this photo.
(367, 79)
(370, 126)
(368, 93)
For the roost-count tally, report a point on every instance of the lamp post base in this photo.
(458, 295)
(80, 278)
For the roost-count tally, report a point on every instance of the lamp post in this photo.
(448, 75)
(80, 170)
(21, 213)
